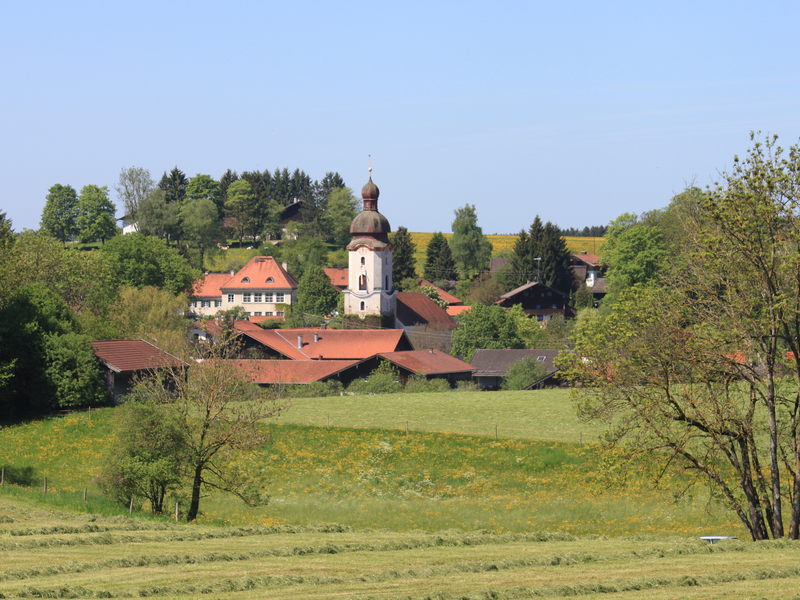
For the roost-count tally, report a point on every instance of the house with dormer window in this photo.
(263, 288)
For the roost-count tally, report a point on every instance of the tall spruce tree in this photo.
(404, 265)
(174, 185)
(439, 263)
(541, 255)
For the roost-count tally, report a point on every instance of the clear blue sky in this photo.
(576, 111)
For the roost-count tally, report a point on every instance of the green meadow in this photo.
(361, 508)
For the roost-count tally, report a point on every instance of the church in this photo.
(370, 290)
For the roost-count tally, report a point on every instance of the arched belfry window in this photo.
(362, 281)
(363, 260)
(387, 282)
(362, 306)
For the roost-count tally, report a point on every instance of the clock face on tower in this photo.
(362, 250)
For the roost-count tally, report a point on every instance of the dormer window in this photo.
(270, 280)
(246, 280)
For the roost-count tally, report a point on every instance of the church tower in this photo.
(370, 287)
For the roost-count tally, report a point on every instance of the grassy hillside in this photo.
(380, 477)
(540, 415)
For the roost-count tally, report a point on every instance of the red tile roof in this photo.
(292, 371)
(427, 362)
(210, 286)
(334, 344)
(457, 310)
(415, 308)
(260, 318)
(339, 276)
(133, 355)
(592, 260)
(447, 297)
(256, 273)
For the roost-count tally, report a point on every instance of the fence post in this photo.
(176, 512)
(45, 486)
(406, 428)
(329, 421)
(580, 443)
(495, 432)
(84, 494)
(3, 476)
(130, 510)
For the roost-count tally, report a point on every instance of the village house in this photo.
(122, 361)
(538, 300)
(262, 287)
(491, 366)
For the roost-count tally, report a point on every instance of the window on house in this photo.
(206, 303)
(362, 282)
(270, 280)
(246, 280)
(257, 297)
(268, 297)
(279, 297)
(539, 318)
(279, 313)
(245, 297)
(363, 260)
(257, 314)
(268, 314)
(540, 358)
(230, 297)
(362, 306)
(217, 303)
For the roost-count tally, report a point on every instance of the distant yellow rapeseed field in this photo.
(503, 245)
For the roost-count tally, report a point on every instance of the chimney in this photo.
(285, 266)
(233, 273)
(324, 325)
(299, 342)
(431, 350)
(316, 337)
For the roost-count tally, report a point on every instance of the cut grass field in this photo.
(55, 554)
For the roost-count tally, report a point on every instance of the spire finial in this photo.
(370, 165)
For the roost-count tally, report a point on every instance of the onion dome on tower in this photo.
(370, 228)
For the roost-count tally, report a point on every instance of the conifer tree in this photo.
(541, 255)
(404, 265)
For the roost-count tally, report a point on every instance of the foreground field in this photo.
(49, 553)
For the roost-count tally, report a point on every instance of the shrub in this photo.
(316, 389)
(467, 386)
(419, 383)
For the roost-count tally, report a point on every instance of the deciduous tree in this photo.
(701, 372)
(315, 294)
(60, 214)
(471, 250)
(133, 186)
(139, 260)
(486, 327)
(219, 414)
(95, 215)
